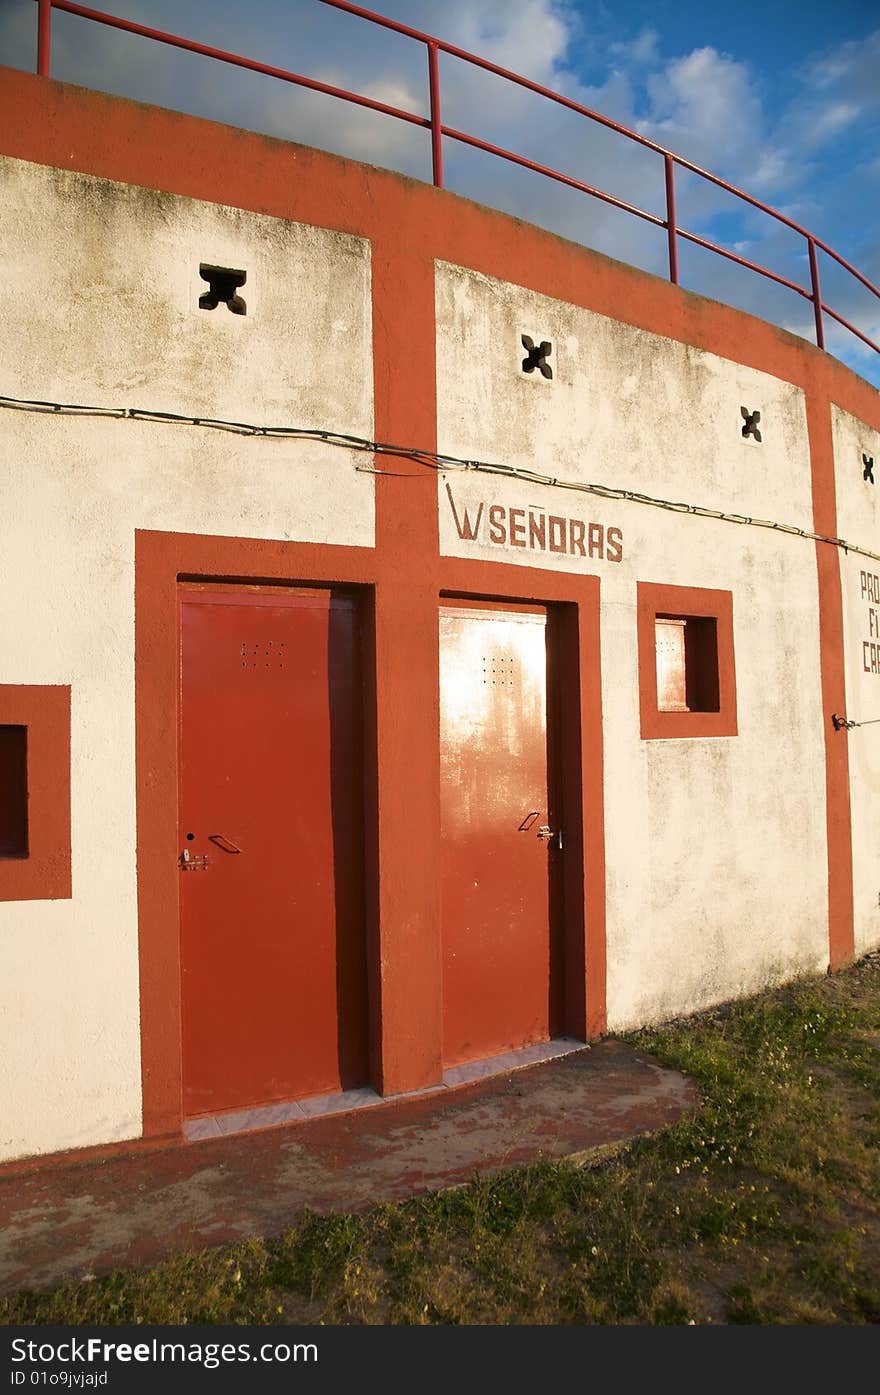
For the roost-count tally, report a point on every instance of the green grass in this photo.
(763, 1207)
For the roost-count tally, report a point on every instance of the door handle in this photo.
(548, 833)
(226, 844)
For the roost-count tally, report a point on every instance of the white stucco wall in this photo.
(858, 521)
(716, 847)
(716, 850)
(100, 306)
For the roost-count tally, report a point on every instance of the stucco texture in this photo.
(715, 847)
(101, 307)
(858, 513)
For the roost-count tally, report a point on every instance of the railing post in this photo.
(44, 36)
(436, 131)
(817, 294)
(669, 165)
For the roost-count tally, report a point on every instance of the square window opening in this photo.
(13, 792)
(687, 672)
(686, 652)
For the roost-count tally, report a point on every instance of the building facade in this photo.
(329, 764)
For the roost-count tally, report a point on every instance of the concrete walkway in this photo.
(79, 1219)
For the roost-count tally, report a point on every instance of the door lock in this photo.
(188, 863)
(548, 833)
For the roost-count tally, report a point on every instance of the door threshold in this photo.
(267, 1116)
(512, 1060)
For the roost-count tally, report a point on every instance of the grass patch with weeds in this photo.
(764, 1207)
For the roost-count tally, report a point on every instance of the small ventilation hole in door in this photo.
(499, 671)
(270, 654)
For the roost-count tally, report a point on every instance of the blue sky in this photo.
(779, 98)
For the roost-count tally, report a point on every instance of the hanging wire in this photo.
(438, 462)
(433, 460)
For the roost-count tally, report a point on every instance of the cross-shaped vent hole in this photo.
(223, 284)
(536, 356)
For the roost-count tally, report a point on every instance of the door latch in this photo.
(188, 863)
(548, 833)
(223, 842)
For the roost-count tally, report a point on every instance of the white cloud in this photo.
(840, 95)
(530, 37)
(706, 105)
(642, 51)
(851, 65)
(389, 91)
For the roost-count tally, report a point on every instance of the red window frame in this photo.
(44, 873)
(655, 601)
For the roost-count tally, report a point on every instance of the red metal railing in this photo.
(439, 132)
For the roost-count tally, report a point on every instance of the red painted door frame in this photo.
(574, 698)
(163, 560)
(397, 993)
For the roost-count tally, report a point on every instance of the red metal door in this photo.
(273, 955)
(498, 989)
